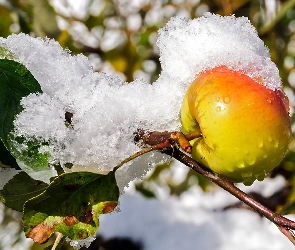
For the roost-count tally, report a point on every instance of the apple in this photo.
(245, 125)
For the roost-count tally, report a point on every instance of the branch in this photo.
(231, 188)
(57, 241)
(154, 138)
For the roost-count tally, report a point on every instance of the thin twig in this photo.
(287, 233)
(142, 152)
(57, 240)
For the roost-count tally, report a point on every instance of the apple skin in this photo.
(245, 126)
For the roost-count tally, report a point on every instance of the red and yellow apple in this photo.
(245, 126)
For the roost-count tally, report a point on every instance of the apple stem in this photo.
(193, 135)
(183, 142)
(156, 138)
(167, 142)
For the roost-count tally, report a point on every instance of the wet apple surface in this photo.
(245, 125)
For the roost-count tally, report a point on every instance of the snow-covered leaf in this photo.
(16, 82)
(70, 205)
(6, 54)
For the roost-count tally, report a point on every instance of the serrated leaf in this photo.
(16, 82)
(70, 205)
(19, 189)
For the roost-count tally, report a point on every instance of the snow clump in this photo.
(107, 111)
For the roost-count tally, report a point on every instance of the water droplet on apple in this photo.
(260, 144)
(248, 182)
(230, 169)
(261, 176)
(226, 99)
(241, 165)
(246, 175)
(218, 108)
(276, 144)
(250, 160)
(265, 156)
(269, 139)
(284, 99)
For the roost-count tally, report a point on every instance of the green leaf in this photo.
(30, 154)
(70, 205)
(16, 82)
(6, 159)
(19, 189)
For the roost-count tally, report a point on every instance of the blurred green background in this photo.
(119, 37)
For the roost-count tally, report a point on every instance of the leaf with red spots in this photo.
(70, 205)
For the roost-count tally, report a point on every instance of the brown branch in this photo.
(153, 138)
(231, 188)
(287, 233)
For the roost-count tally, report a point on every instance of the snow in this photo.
(106, 110)
(188, 47)
(177, 224)
(10, 230)
(6, 174)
